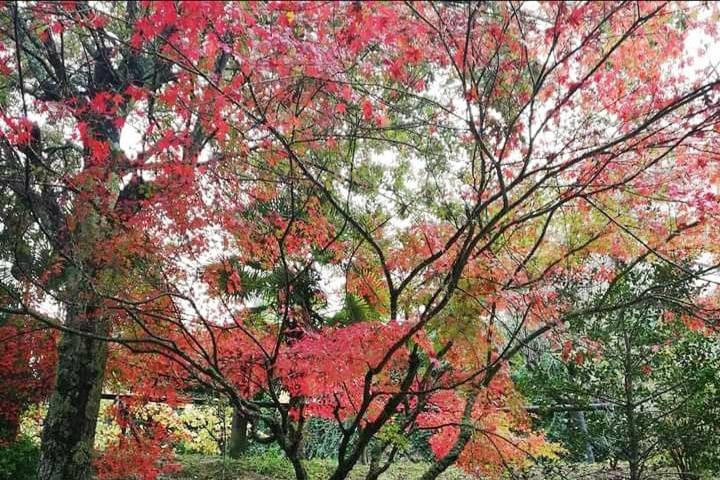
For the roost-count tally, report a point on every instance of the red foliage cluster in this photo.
(328, 369)
(27, 371)
(143, 451)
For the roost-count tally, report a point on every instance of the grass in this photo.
(273, 466)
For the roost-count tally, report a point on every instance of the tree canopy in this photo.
(361, 212)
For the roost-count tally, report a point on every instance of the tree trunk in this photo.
(466, 432)
(69, 432)
(633, 453)
(238, 434)
(292, 450)
(634, 470)
(582, 427)
(299, 468)
(288, 437)
(377, 465)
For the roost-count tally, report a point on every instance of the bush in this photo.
(271, 463)
(321, 438)
(19, 460)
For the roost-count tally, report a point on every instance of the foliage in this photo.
(689, 432)
(321, 438)
(358, 212)
(19, 460)
(651, 366)
(27, 364)
(204, 429)
(143, 445)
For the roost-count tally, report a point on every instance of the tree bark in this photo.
(299, 468)
(238, 434)
(377, 465)
(633, 453)
(582, 427)
(294, 454)
(466, 431)
(69, 432)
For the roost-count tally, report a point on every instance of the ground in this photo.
(274, 467)
(269, 467)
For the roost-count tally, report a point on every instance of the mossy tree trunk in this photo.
(69, 432)
(112, 66)
(68, 435)
(238, 434)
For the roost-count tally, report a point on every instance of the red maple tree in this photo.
(453, 166)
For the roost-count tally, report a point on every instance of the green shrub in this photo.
(271, 463)
(321, 438)
(19, 460)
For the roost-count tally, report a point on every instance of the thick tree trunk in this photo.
(299, 468)
(294, 454)
(238, 435)
(288, 436)
(69, 431)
